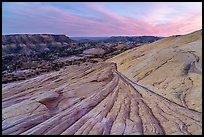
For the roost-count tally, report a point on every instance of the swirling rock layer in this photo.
(103, 99)
(171, 67)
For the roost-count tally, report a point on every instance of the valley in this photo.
(26, 56)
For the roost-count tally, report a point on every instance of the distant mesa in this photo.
(114, 39)
(28, 43)
(34, 43)
(138, 39)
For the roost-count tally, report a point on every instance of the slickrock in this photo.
(171, 67)
(105, 98)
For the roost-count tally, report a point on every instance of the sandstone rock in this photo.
(171, 67)
(113, 98)
(49, 99)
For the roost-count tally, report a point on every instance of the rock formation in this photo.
(27, 43)
(153, 89)
(171, 67)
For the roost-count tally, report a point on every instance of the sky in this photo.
(100, 19)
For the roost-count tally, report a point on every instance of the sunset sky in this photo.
(101, 18)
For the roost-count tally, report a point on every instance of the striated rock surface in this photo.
(171, 67)
(107, 98)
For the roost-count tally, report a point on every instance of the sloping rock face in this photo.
(103, 98)
(27, 43)
(171, 67)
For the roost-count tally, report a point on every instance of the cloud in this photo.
(159, 19)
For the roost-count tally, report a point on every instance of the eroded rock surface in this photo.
(171, 67)
(107, 98)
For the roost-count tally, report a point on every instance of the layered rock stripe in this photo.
(124, 95)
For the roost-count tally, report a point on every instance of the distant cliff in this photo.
(138, 39)
(28, 43)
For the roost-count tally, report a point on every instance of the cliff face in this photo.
(153, 89)
(27, 43)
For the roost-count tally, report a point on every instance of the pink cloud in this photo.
(162, 21)
(152, 23)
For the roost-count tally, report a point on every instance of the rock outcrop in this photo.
(171, 67)
(125, 97)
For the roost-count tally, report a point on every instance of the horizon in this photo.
(79, 36)
(101, 19)
(96, 36)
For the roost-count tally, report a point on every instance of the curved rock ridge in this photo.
(91, 99)
(171, 67)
